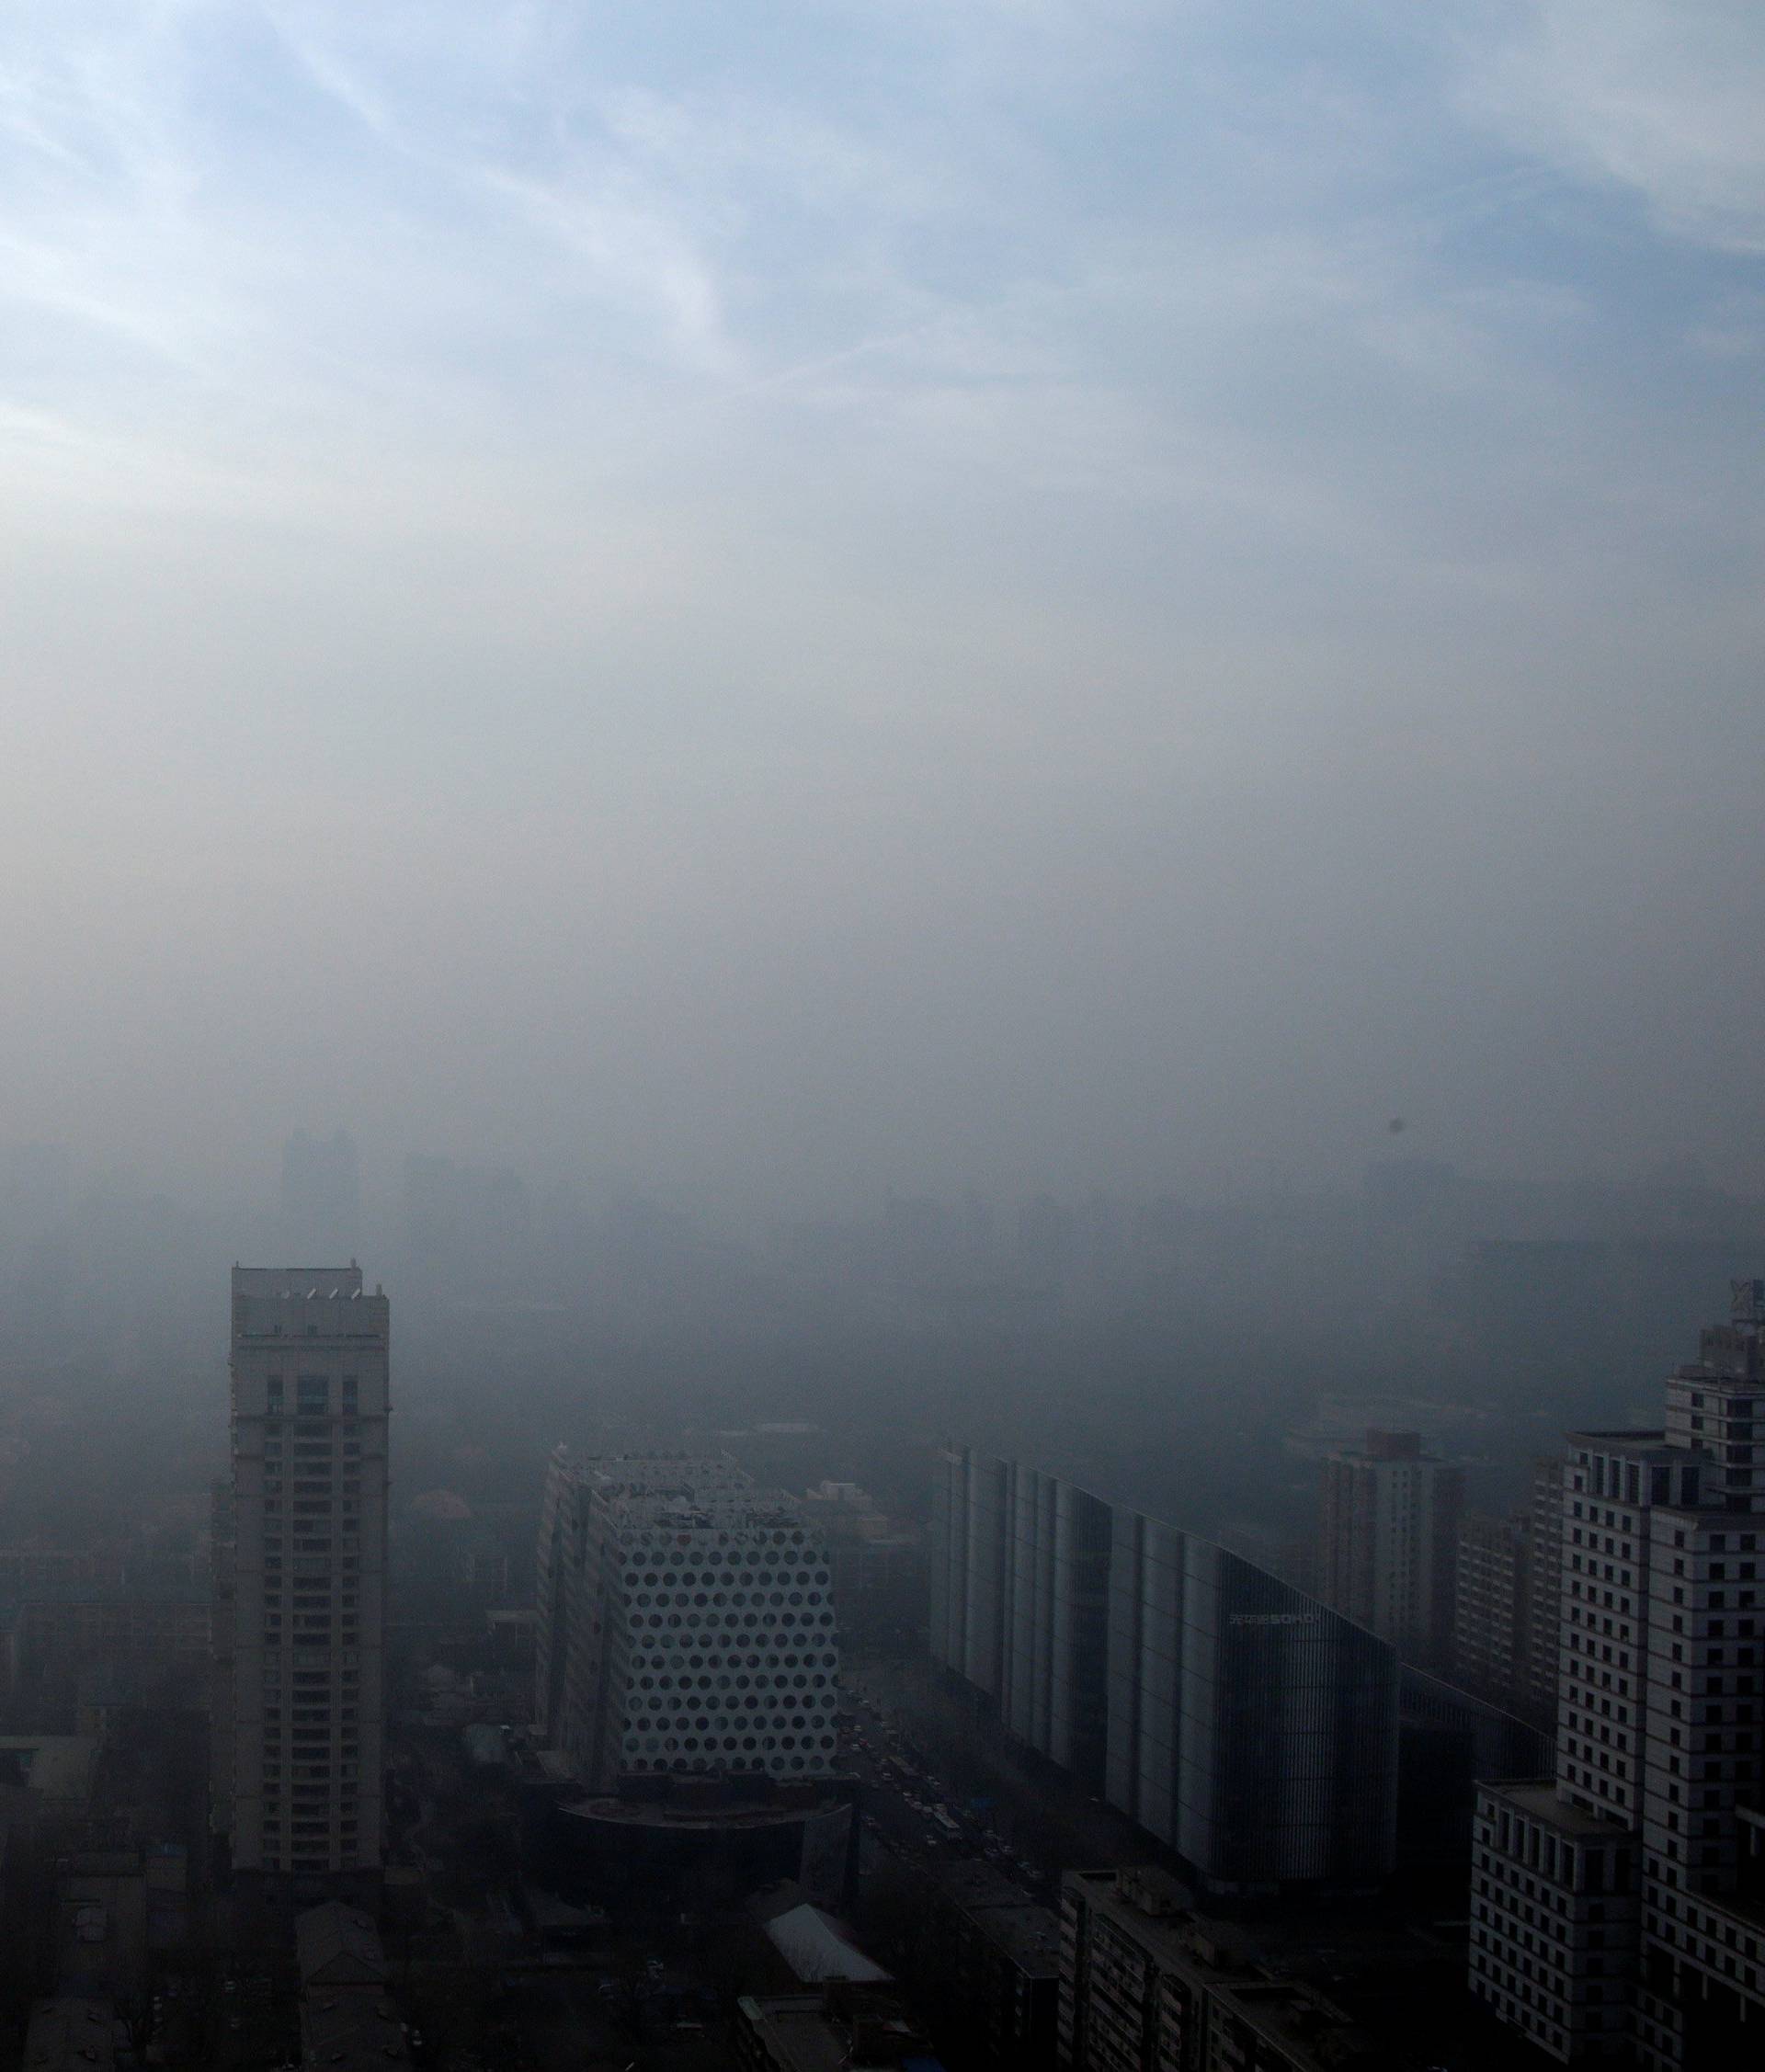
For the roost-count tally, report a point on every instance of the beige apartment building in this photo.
(301, 1580)
(1618, 1909)
(1388, 1541)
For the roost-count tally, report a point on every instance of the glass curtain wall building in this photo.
(1020, 1591)
(1246, 1726)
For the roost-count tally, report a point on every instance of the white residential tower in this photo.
(300, 1696)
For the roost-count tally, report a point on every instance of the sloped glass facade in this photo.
(1248, 1727)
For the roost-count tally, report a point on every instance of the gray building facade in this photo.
(686, 1624)
(1618, 1908)
(301, 1580)
(1248, 1727)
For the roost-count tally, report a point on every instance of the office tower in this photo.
(300, 1698)
(1618, 1909)
(1019, 1603)
(1243, 1723)
(686, 1624)
(1388, 1540)
(1492, 1606)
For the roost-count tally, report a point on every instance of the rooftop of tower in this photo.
(286, 1302)
(296, 1283)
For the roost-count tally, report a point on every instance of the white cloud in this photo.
(1664, 98)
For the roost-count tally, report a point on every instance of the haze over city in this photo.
(776, 603)
(879, 1129)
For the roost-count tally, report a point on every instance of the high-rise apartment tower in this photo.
(1618, 1911)
(299, 1690)
(1494, 1596)
(1387, 1547)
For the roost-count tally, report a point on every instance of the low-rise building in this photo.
(56, 1770)
(22, 1568)
(71, 2035)
(71, 1623)
(841, 2029)
(991, 1957)
(1277, 2025)
(335, 1946)
(101, 1911)
(348, 2032)
(817, 1947)
(348, 2022)
(1138, 1972)
(1148, 1985)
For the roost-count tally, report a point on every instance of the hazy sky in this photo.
(806, 597)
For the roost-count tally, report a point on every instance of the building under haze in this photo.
(1244, 1724)
(300, 1571)
(1147, 1985)
(1545, 1613)
(686, 1624)
(1619, 1909)
(1387, 1546)
(1492, 1605)
(1020, 1602)
(1507, 1602)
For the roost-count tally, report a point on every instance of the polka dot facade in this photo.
(722, 1650)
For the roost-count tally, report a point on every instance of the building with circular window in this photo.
(686, 1625)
